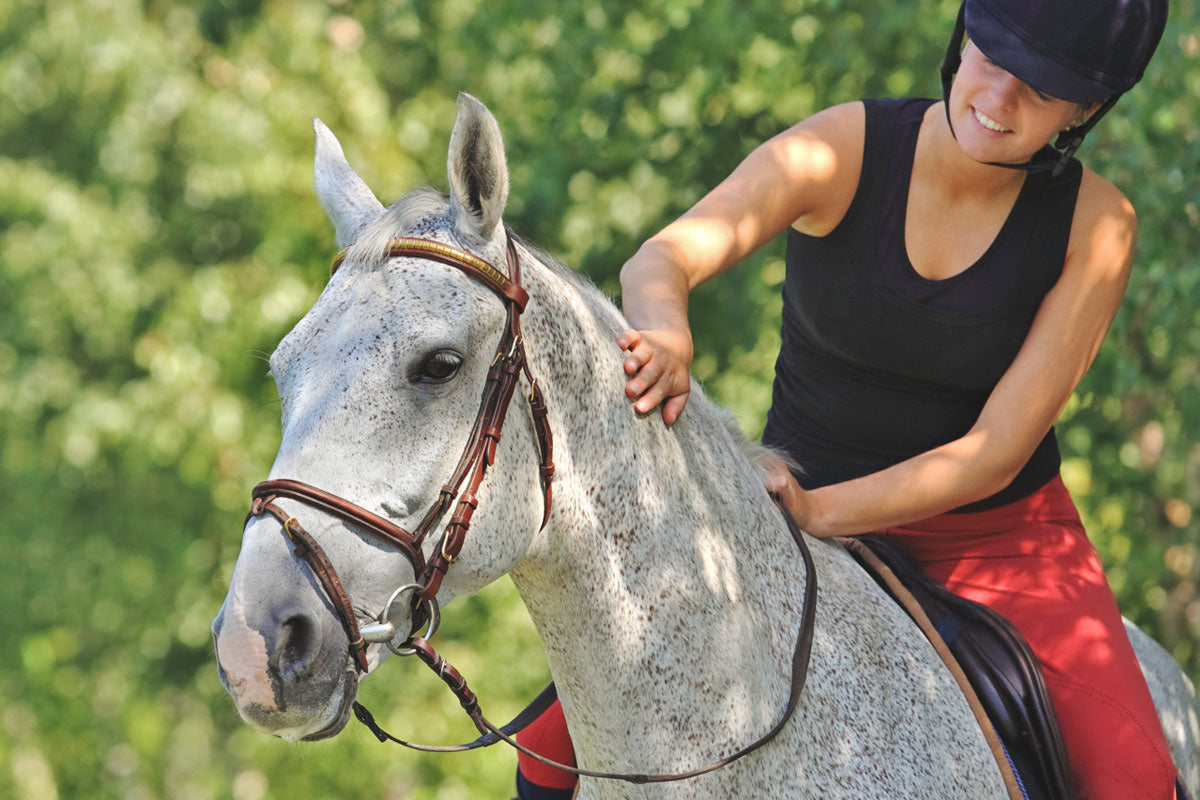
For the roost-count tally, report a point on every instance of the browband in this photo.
(470, 263)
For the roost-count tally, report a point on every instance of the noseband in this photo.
(506, 369)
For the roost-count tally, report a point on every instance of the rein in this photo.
(507, 366)
(491, 734)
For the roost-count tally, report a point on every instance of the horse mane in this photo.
(755, 452)
(596, 298)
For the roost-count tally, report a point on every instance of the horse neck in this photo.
(662, 550)
(617, 466)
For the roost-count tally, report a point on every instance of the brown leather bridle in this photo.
(506, 369)
(503, 375)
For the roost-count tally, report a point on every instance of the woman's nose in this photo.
(1005, 89)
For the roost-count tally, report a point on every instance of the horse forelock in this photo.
(420, 211)
(424, 211)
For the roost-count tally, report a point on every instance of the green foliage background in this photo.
(159, 234)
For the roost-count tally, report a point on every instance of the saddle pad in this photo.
(997, 662)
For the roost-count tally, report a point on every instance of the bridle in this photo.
(507, 366)
(505, 371)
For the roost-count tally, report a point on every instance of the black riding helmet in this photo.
(1084, 52)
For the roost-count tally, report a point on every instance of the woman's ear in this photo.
(1083, 114)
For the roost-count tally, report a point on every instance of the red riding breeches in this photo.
(547, 736)
(1032, 562)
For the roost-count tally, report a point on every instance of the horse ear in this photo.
(345, 197)
(477, 170)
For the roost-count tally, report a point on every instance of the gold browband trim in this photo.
(409, 245)
(475, 266)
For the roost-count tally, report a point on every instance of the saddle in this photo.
(996, 662)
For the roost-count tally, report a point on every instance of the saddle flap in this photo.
(999, 665)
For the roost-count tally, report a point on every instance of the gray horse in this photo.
(665, 585)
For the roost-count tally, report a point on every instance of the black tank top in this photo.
(879, 364)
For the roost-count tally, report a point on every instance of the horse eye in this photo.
(439, 367)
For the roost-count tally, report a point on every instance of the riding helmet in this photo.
(1085, 52)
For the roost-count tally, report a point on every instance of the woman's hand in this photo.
(799, 503)
(657, 364)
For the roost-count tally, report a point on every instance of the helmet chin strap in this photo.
(1052, 158)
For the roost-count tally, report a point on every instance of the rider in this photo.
(950, 276)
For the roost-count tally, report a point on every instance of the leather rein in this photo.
(507, 366)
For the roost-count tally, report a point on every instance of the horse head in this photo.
(380, 385)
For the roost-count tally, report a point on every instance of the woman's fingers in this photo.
(671, 388)
(650, 398)
(639, 351)
(674, 407)
(647, 377)
(657, 374)
(779, 480)
(778, 476)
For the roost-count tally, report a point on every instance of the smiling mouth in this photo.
(988, 122)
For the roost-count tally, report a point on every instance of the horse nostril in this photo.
(298, 645)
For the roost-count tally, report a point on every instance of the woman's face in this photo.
(998, 117)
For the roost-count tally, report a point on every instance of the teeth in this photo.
(988, 122)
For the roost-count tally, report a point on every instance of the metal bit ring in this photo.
(384, 631)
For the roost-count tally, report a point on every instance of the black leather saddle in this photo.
(1002, 669)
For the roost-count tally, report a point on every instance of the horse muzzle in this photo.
(288, 674)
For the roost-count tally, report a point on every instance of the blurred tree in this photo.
(158, 236)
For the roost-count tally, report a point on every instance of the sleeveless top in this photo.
(877, 363)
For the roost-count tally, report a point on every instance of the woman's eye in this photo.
(439, 367)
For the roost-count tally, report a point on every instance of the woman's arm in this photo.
(1060, 346)
(805, 176)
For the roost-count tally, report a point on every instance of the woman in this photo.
(950, 279)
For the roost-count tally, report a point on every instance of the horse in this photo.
(663, 580)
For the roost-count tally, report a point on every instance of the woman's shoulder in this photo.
(1099, 197)
(835, 136)
(1104, 225)
(841, 127)
(842, 115)
(850, 136)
